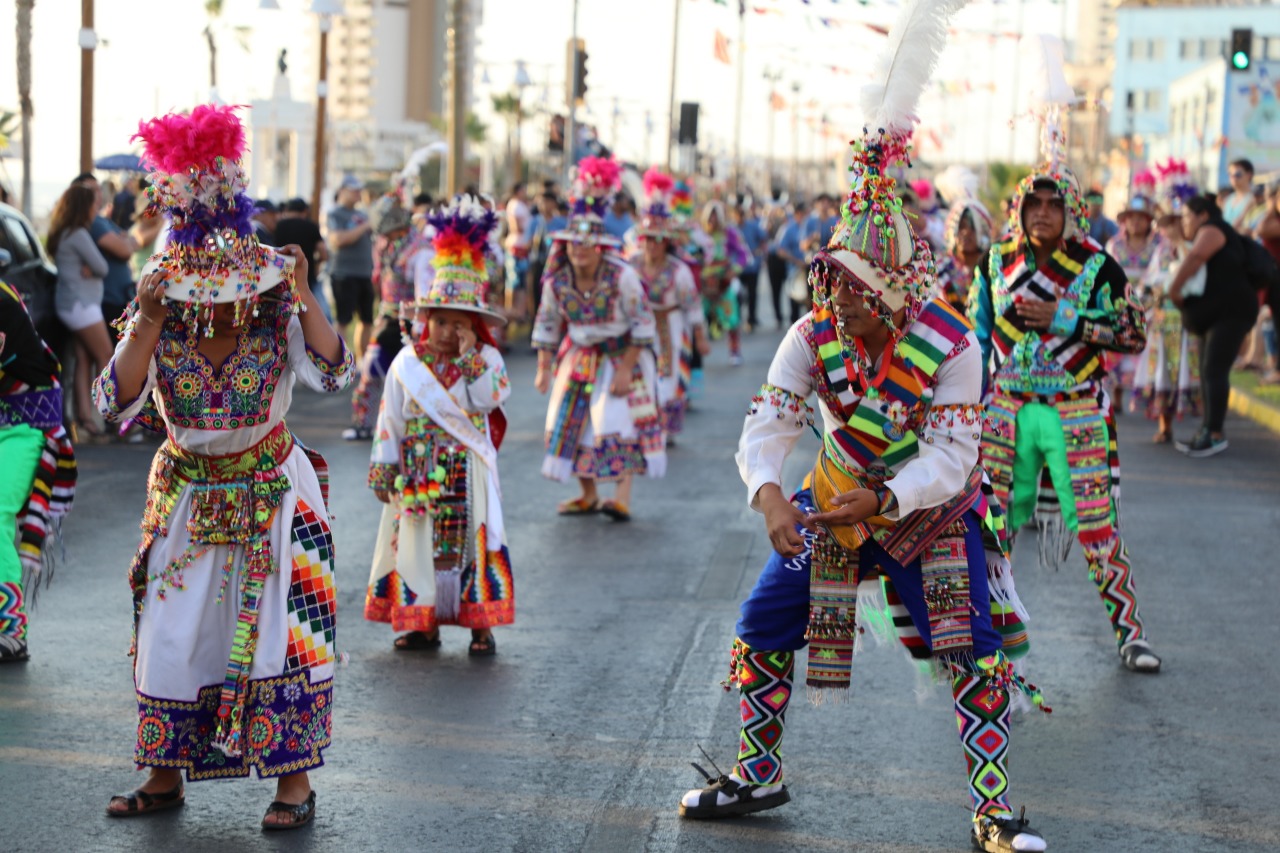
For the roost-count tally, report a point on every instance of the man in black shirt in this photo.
(295, 226)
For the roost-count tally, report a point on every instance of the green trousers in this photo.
(20, 448)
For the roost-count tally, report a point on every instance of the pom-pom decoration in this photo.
(212, 255)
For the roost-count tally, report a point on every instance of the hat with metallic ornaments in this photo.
(461, 240)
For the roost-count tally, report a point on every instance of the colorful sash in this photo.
(1089, 433)
(234, 499)
(880, 426)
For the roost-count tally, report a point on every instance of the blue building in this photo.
(1157, 43)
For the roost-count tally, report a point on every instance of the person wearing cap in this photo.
(594, 334)
(894, 530)
(966, 233)
(1132, 248)
(350, 231)
(394, 280)
(1048, 303)
(673, 296)
(233, 584)
(441, 555)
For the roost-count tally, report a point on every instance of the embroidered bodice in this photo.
(215, 411)
(615, 307)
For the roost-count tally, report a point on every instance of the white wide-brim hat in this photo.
(196, 288)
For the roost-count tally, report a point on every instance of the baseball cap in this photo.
(265, 205)
(296, 205)
(351, 182)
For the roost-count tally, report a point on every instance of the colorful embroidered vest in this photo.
(589, 308)
(1041, 362)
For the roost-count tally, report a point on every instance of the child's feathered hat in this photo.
(212, 255)
(460, 242)
(597, 179)
(655, 219)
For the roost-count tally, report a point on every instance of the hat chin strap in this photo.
(857, 266)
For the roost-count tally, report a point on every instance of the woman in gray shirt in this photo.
(78, 298)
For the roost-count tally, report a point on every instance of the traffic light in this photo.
(576, 71)
(1241, 50)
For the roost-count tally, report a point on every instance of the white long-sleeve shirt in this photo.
(949, 434)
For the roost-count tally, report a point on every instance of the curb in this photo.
(1242, 403)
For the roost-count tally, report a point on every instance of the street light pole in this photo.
(571, 126)
(322, 97)
(737, 103)
(457, 118)
(795, 136)
(671, 97)
(88, 41)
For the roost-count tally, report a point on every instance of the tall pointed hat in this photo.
(1051, 98)
(874, 245)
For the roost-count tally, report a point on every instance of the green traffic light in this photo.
(1240, 60)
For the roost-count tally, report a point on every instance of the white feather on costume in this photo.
(916, 38)
(956, 183)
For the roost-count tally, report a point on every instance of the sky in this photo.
(823, 45)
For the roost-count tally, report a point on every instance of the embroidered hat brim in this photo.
(857, 267)
(193, 287)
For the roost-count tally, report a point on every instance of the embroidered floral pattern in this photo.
(332, 373)
(237, 394)
(289, 724)
(382, 475)
(782, 403)
(949, 420)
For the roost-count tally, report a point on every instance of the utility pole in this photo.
(737, 102)
(795, 137)
(456, 169)
(773, 77)
(88, 42)
(322, 97)
(571, 126)
(671, 97)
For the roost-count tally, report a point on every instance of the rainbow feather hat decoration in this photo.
(212, 255)
(461, 244)
(594, 185)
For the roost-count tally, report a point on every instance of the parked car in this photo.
(31, 272)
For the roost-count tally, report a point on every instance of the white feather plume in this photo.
(902, 70)
(956, 183)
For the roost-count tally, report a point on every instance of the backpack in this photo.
(1260, 269)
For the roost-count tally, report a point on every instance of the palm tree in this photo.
(24, 96)
(213, 8)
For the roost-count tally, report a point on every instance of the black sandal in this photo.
(140, 802)
(1138, 657)
(13, 651)
(483, 647)
(302, 813)
(416, 641)
(710, 807)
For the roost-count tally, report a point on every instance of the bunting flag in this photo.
(777, 101)
(722, 48)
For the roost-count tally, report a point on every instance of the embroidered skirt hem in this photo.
(288, 724)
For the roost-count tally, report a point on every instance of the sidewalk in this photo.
(1259, 402)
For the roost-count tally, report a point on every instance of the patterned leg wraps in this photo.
(982, 713)
(765, 681)
(13, 618)
(1114, 580)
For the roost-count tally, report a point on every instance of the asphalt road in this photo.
(577, 736)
